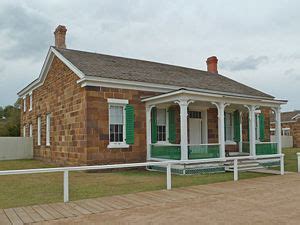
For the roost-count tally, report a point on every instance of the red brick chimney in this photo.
(212, 64)
(60, 36)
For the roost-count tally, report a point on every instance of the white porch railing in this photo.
(168, 165)
(204, 151)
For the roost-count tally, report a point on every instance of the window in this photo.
(30, 101)
(24, 131)
(257, 131)
(116, 123)
(161, 125)
(286, 131)
(30, 130)
(195, 114)
(24, 103)
(48, 129)
(39, 130)
(229, 126)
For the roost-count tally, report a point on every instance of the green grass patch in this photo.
(29, 189)
(290, 159)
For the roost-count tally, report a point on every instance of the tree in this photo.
(10, 120)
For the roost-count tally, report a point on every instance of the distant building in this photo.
(290, 123)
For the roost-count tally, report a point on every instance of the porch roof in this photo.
(205, 96)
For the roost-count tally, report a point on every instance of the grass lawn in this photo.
(290, 159)
(29, 189)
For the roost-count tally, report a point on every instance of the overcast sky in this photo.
(257, 42)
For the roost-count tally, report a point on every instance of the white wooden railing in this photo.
(168, 165)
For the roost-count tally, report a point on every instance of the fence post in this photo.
(169, 179)
(235, 170)
(298, 156)
(282, 164)
(66, 186)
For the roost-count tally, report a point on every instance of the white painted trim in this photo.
(30, 130)
(45, 69)
(78, 72)
(212, 94)
(24, 104)
(30, 101)
(39, 130)
(117, 101)
(121, 144)
(48, 129)
(296, 117)
(137, 85)
(117, 145)
(199, 96)
(284, 122)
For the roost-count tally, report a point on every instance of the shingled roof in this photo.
(287, 116)
(114, 67)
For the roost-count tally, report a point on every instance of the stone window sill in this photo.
(117, 145)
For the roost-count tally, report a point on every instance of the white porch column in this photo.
(183, 128)
(252, 141)
(278, 129)
(148, 130)
(221, 127)
(241, 132)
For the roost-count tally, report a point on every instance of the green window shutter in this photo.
(172, 126)
(261, 127)
(129, 124)
(154, 125)
(236, 124)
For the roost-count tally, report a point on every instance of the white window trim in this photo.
(30, 130)
(30, 101)
(48, 129)
(230, 141)
(39, 126)
(167, 128)
(24, 104)
(123, 103)
(257, 132)
(24, 131)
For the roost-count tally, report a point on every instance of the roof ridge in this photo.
(142, 60)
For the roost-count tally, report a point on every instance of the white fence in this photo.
(286, 141)
(168, 165)
(16, 148)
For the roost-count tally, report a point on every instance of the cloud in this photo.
(292, 74)
(23, 30)
(248, 63)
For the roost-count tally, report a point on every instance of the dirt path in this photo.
(267, 200)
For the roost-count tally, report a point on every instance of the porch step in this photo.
(243, 166)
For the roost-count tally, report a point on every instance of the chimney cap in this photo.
(60, 28)
(212, 59)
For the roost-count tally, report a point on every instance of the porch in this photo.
(188, 125)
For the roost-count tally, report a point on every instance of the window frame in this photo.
(30, 101)
(39, 130)
(24, 104)
(24, 130)
(48, 129)
(30, 130)
(257, 127)
(166, 141)
(229, 141)
(119, 103)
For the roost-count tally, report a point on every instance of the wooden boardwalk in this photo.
(265, 192)
(55, 211)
